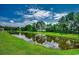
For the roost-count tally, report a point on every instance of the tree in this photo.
(49, 28)
(28, 28)
(40, 26)
(69, 23)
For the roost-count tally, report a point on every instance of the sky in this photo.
(23, 14)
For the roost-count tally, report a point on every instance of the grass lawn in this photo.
(64, 35)
(12, 46)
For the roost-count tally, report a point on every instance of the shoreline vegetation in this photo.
(12, 45)
(64, 35)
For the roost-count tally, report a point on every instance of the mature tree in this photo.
(40, 26)
(28, 28)
(70, 23)
(49, 28)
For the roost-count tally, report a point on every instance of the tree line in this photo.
(66, 24)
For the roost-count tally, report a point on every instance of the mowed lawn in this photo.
(10, 45)
(65, 35)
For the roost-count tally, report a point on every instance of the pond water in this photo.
(49, 41)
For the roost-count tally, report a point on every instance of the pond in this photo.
(49, 41)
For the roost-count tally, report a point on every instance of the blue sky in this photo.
(20, 13)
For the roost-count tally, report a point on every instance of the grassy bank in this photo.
(12, 45)
(65, 35)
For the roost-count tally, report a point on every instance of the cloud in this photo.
(11, 22)
(34, 21)
(33, 10)
(42, 14)
(57, 16)
(27, 16)
(37, 14)
(14, 24)
(33, 15)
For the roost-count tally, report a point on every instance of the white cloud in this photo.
(14, 24)
(33, 10)
(38, 14)
(59, 15)
(11, 21)
(34, 21)
(27, 16)
(41, 14)
(27, 21)
(35, 14)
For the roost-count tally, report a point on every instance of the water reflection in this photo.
(39, 38)
(49, 41)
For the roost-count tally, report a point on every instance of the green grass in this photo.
(65, 35)
(12, 46)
